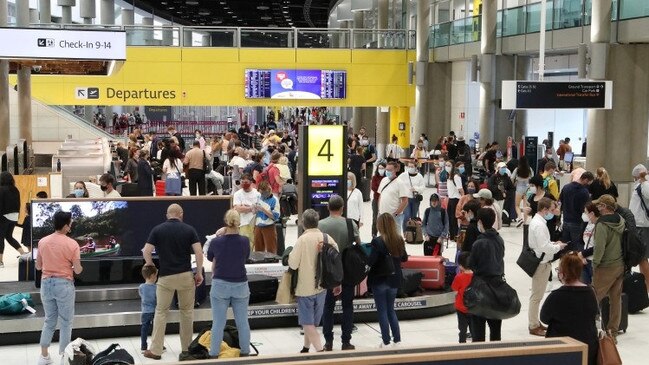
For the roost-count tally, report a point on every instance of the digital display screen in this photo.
(295, 84)
(321, 191)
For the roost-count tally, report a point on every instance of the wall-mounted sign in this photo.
(295, 84)
(557, 95)
(326, 150)
(33, 43)
(111, 93)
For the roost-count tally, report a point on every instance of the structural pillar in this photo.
(382, 113)
(128, 17)
(24, 74)
(359, 23)
(206, 40)
(600, 38)
(167, 35)
(33, 16)
(88, 11)
(487, 60)
(66, 10)
(345, 38)
(107, 12)
(44, 11)
(421, 93)
(147, 22)
(4, 86)
(187, 38)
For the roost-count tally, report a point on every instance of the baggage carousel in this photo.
(108, 311)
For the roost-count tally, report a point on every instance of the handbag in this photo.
(284, 293)
(384, 266)
(528, 261)
(207, 166)
(607, 353)
(491, 298)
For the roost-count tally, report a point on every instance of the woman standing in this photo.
(412, 179)
(602, 185)
(59, 257)
(590, 216)
(228, 254)
(388, 245)
(354, 200)
(145, 174)
(9, 210)
(571, 310)
(374, 184)
(521, 179)
(131, 165)
(171, 171)
(455, 192)
(80, 190)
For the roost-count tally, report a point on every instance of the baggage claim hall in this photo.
(324, 181)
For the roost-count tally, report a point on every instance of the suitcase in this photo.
(431, 266)
(432, 248)
(635, 289)
(281, 238)
(360, 290)
(262, 257)
(160, 188)
(263, 288)
(410, 283)
(624, 320)
(450, 270)
(129, 189)
(200, 293)
(26, 269)
(365, 189)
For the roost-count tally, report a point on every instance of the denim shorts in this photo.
(309, 309)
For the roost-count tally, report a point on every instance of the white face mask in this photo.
(412, 170)
(382, 172)
(448, 169)
(585, 217)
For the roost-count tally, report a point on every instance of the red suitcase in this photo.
(431, 266)
(160, 188)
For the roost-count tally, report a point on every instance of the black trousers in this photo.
(478, 329)
(196, 178)
(452, 221)
(463, 324)
(6, 233)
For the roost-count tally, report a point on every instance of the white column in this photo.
(45, 11)
(487, 59)
(4, 87)
(88, 11)
(107, 12)
(147, 22)
(187, 38)
(421, 93)
(24, 75)
(66, 10)
(33, 16)
(359, 37)
(382, 118)
(167, 35)
(128, 17)
(206, 40)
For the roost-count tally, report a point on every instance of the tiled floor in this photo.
(633, 346)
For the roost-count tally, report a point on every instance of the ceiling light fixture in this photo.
(263, 7)
(191, 2)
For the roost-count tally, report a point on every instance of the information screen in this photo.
(557, 95)
(295, 84)
(321, 191)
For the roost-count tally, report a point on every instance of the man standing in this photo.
(489, 159)
(549, 182)
(640, 200)
(172, 133)
(394, 195)
(107, 185)
(244, 201)
(345, 232)
(574, 198)
(369, 152)
(546, 158)
(174, 241)
(195, 174)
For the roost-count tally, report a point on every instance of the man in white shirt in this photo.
(238, 163)
(107, 185)
(393, 151)
(539, 241)
(640, 214)
(394, 194)
(244, 201)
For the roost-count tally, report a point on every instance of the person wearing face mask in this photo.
(470, 210)
(589, 216)
(354, 200)
(435, 227)
(374, 184)
(267, 208)
(546, 158)
(198, 136)
(521, 178)
(464, 156)
(472, 188)
(487, 262)
(80, 190)
(545, 249)
(107, 185)
(369, 153)
(393, 194)
(573, 198)
(413, 180)
(501, 185)
(244, 201)
(419, 154)
(455, 192)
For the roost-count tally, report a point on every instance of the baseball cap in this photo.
(638, 169)
(272, 131)
(484, 194)
(607, 200)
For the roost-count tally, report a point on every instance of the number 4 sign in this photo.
(326, 145)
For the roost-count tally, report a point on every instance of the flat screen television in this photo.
(295, 84)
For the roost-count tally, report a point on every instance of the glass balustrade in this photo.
(533, 14)
(458, 31)
(630, 9)
(513, 21)
(442, 35)
(209, 37)
(384, 39)
(323, 38)
(267, 37)
(567, 14)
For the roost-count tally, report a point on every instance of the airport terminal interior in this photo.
(94, 93)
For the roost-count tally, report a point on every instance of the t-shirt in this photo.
(241, 197)
(356, 165)
(229, 254)
(57, 252)
(336, 227)
(113, 194)
(460, 283)
(273, 173)
(454, 186)
(173, 242)
(391, 194)
(148, 298)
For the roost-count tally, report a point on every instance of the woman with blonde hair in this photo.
(602, 185)
(354, 200)
(388, 252)
(228, 254)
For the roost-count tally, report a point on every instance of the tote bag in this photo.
(173, 183)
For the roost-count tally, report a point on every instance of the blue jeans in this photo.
(573, 233)
(57, 296)
(587, 273)
(347, 300)
(222, 295)
(146, 320)
(384, 297)
(399, 221)
(411, 211)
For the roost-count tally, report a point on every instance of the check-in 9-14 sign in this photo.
(326, 145)
(33, 43)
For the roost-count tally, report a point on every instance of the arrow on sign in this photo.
(81, 93)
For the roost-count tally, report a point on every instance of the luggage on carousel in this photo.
(263, 288)
(410, 283)
(431, 266)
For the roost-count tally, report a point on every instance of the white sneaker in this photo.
(382, 345)
(396, 344)
(45, 360)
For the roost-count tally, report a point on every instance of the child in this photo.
(147, 293)
(435, 227)
(460, 283)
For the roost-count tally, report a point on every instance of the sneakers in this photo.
(396, 344)
(538, 331)
(348, 346)
(44, 360)
(2, 265)
(151, 355)
(382, 345)
(519, 222)
(328, 346)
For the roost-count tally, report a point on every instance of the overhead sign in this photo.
(295, 84)
(557, 95)
(34, 43)
(111, 93)
(326, 150)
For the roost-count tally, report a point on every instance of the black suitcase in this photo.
(262, 257)
(410, 283)
(429, 247)
(199, 295)
(624, 320)
(129, 189)
(263, 288)
(635, 289)
(365, 189)
(281, 238)
(450, 270)
(26, 269)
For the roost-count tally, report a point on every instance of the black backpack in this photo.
(330, 266)
(113, 355)
(633, 249)
(355, 265)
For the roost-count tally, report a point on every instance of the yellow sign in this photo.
(326, 150)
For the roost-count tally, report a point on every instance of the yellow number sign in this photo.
(325, 150)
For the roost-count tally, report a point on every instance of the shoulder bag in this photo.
(527, 260)
(491, 298)
(207, 168)
(607, 353)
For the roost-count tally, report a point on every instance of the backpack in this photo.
(633, 249)
(329, 273)
(355, 266)
(112, 355)
(413, 233)
(264, 175)
(16, 303)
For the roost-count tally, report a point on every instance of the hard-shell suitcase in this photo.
(410, 283)
(450, 270)
(365, 189)
(262, 257)
(431, 266)
(26, 269)
(635, 289)
(263, 288)
(160, 188)
(360, 290)
(624, 319)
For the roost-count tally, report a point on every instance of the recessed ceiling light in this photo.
(263, 7)
(234, 17)
(191, 2)
(230, 12)
(285, 11)
(222, 2)
(204, 12)
(266, 17)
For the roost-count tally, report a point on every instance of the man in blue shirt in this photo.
(573, 198)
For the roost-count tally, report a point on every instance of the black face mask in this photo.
(103, 187)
